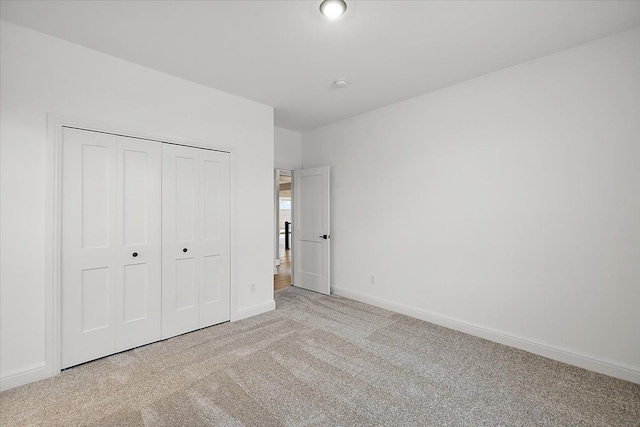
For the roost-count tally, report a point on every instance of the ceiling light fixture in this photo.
(341, 83)
(333, 8)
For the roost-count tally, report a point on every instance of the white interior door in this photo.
(139, 208)
(110, 211)
(180, 243)
(195, 234)
(145, 242)
(311, 229)
(214, 230)
(89, 253)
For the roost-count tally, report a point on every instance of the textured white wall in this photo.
(41, 75)
(287, 149)
(508, 203)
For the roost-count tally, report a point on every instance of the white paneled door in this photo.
(181, 205)
(139, 239)
(195, 230)
(215, 272)
(145, 242)
(111, 244)
(311, 229)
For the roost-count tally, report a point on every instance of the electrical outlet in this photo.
(372, 279)
(252, 288)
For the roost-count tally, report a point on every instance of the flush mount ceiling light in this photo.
(333, 8)
(340, 83)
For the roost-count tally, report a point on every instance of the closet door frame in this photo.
(53, 226)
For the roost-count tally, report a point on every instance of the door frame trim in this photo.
(53, 218)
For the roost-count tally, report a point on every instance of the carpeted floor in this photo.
(324, 361)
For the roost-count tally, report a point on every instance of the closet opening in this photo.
(140, 240)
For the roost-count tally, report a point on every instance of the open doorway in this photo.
(282, 279)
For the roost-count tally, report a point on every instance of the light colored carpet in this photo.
(324, 361)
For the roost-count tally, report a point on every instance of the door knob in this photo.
(135, 254)
(184, 250)
(324, 236)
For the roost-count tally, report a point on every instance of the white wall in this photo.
(507, 206)
(287, 149)
(288, 156)
(42, 75)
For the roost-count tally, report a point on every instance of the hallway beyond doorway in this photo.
(282, 279)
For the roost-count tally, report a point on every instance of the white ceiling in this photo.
(285, 54)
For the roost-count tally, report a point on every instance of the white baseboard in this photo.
(561, 354)
(254, 310)
(38, 371)
(24, 375)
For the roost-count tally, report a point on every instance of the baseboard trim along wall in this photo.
(38, 371)
(27, 374)
(561, 354)
(254, 310)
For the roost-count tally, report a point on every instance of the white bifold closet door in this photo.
(111, 244)
(195, 234)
